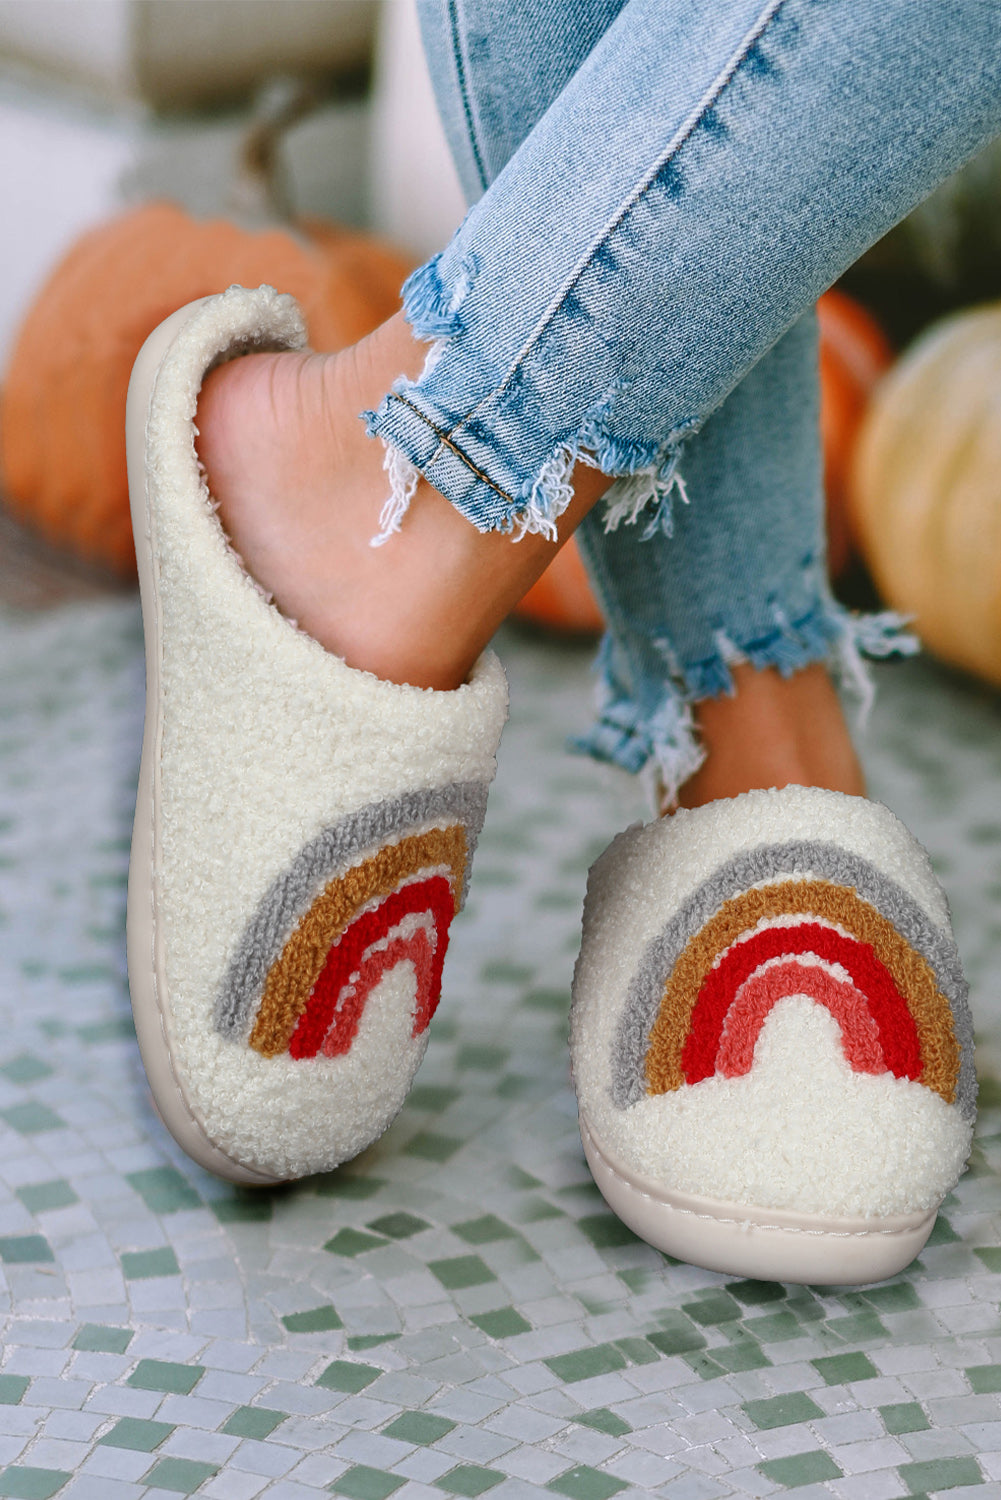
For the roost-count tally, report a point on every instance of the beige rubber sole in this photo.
(147, 979)
(763, 1244)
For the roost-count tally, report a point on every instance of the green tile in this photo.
(469, 1479)
(348, 1375)
(316, 1320)
(350, 1185)
(984, 1379)
(942, 1234)
(899, 1296)
(183, 1475)
(431, 1147)
(420, 1427)
(774, 1328)
(857, 1327)
(533, 1210)
(142, 1265)
(362, 1483)
(461, 1271)
(582, 1364)
(484, 1230)
(243, 1208)
(115, 1030)
(433, 1096)
(700, 1364)
(584, 1483)
(25, 1068)
(39, 1197)
(804, 1306)
(554, 1000)
(603, 1420)
(637, 1278)
(638, 1351)
(502, 1323)
(353, 1242)
(605, 1231)
(96, 1338)
(515, 1086)
(24, 1483)
(399, 1226)
(677, 1335)
(21, 1249)
(840, 1369)
(801, 1468)
(502, 971)
(32, 1119)
(163, 1190)
(756, 1293)
(12, 1388)
(904, 1416)
(481, 1056)
(86, 974)
(138, 1434)
(940, 1474)
(782, 1411)
(369, 1340)
(746, 1355)
(163, 1375)
(253, 1422)
(717, 1307)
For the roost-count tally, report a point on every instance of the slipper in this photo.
(303, 830)
(772, 1047)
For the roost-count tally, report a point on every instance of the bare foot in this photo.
(300, 486)
(775, 731)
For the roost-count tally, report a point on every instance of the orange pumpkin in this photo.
(62, 442)
(926, 491)
(854, 352)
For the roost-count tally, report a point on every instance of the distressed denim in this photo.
(662, 189)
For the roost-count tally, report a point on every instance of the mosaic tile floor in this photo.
(455, 1313)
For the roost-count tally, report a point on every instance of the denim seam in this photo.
(467, 108)
(683, 136)
(445, 441)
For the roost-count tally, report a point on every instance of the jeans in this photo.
(662, 189)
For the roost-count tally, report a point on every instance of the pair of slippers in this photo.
(771, 1043)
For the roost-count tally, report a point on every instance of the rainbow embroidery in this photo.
(800, 918)
(373, 891)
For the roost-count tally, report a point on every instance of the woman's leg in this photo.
(746, 564)
(694, 186)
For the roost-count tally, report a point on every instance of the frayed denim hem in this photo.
(658, 735)
(420, 442)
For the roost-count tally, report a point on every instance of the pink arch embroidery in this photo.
(897, 1032)
(332, 1016)
(763, 990)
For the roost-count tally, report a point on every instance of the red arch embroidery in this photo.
(898, 1035)
(329, 1021)
(757, 996)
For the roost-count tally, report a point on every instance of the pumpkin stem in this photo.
(260, 194)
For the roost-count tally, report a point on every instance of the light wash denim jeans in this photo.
(663, 188)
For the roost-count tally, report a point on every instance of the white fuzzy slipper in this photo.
(772, 1047)
(303, 830)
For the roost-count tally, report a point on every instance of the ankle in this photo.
(774, 731)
